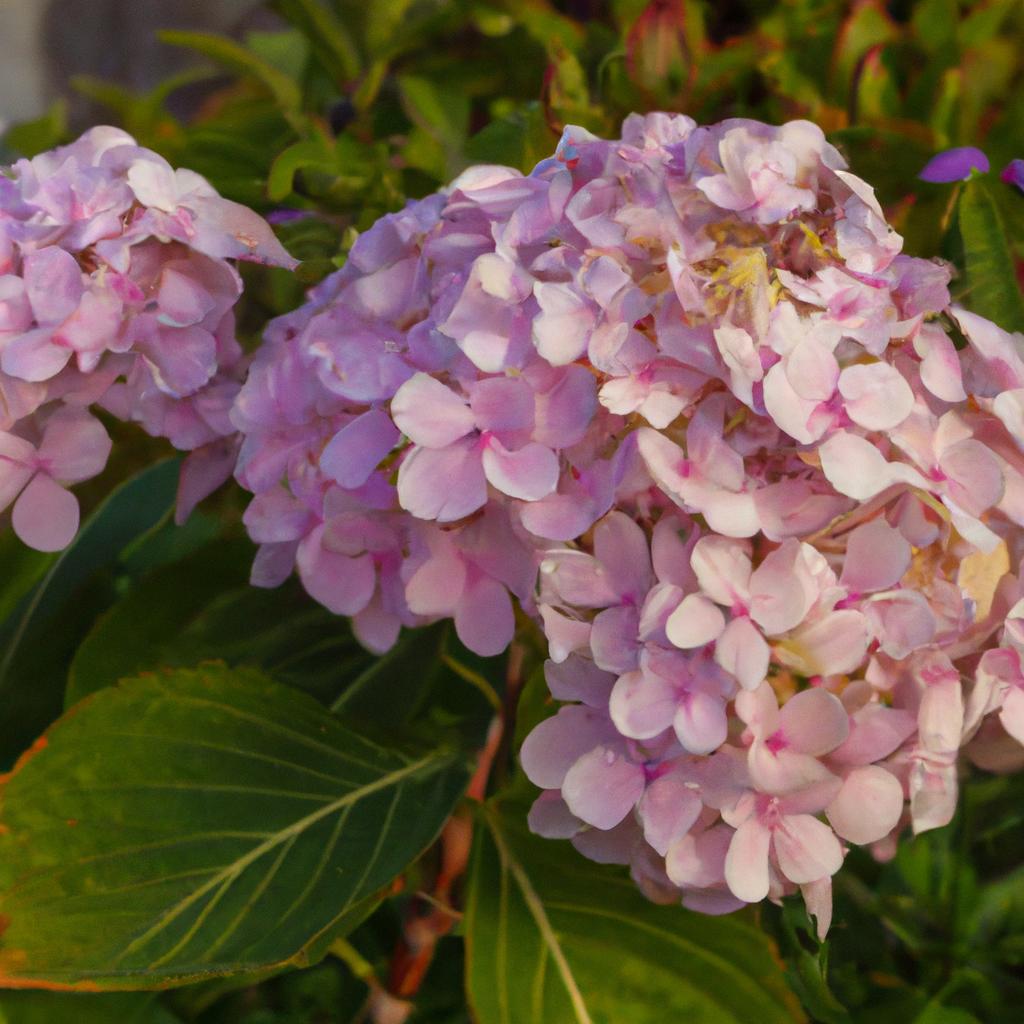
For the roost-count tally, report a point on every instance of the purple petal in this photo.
(602, 787)
(444, 485)
(955, 165)
(354, 452)
(484, 619)
(557, 743)
(342, 585)
(430, 414)
(529, 473)
(1013, 173)
(45, 517)
(75, 445)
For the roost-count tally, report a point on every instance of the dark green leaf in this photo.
(238, 59)
(203, 608)
(33, 652)
(193, 824)
(992, 288)
(327, 36)
(553, 937)
(82, 1008)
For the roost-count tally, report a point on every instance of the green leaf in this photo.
(868, 25)
(33, 654)
(327, 35)
(992, 288)
(317, 153)
(82, 1008)
(441, 113)
(193, 824)
(32, 137)
(23, 569)
(203, 608)
(553, 937)
(242, 61)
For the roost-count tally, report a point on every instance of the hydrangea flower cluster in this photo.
(681, 397)
(116, 291)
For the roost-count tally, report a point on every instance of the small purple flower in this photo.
(955, 165)
(1013, 173)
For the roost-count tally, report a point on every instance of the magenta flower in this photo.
(1013, 173)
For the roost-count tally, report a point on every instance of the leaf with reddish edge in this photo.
(200, 823)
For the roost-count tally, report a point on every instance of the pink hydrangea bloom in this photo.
(680, 396)
(115, 291)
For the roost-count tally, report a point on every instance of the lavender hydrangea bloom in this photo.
(115, 291)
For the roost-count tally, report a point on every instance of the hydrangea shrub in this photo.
(677, 404)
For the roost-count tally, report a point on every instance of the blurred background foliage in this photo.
(336, 111)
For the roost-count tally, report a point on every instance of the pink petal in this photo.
(902, 621)
(529, 473)
(553, 746)
(430, 414)
(34, 356)
(812, 370)
(792, 413)
(578, 679)
(746, 863)
(602, 787)
(875, 395)
(940, 716)
(818, 900)
(856, 468)
(806, 848)
(562, 329)
(698, 858)
(831, 645)
(975, 479)
(940, 364)
(564, 635)
(667, 811)
(273, 564)
(700, 722)
(445, 484)
(549, 817)
(613, 639)
(696, 622)
(782, 590)
(1011, 714)
(642, 705)
(16, 466)
(742, 651)
(503, 405)
(875, 732)
(814, 722)
(877, 556)
(341, 584)
(75, 445)
(722, 566)
(868, 807)
(357, 449)
(45, 515)
(785, 771)
(53, 283)
(620, 545)
(202, 472)
(484, 619)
